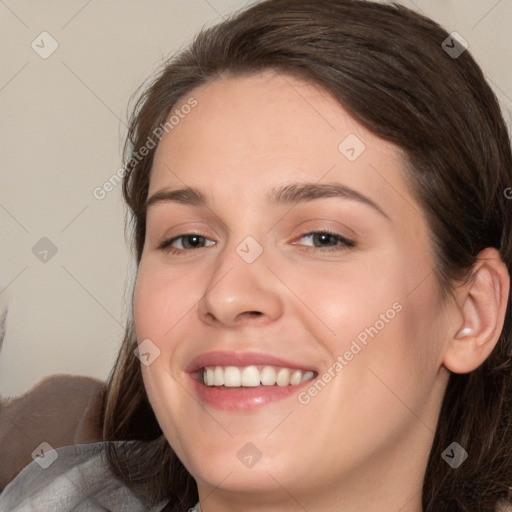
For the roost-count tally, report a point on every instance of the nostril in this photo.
(246, 315)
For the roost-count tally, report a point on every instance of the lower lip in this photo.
(244, 399)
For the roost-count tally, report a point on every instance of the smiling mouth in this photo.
(252, 376)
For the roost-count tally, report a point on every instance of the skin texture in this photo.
(363, 441)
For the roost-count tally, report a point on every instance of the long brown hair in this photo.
(388, 68)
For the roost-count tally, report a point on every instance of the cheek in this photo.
(146, 303)
(346, 299)
(159, 301)
(156, 311)
(378, 316)
(404, 357)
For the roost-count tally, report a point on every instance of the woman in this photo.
(321, 315)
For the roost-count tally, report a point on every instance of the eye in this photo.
(323, 240)
(327, 241)
(185, 242)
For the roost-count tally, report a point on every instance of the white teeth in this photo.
(218, 376)
(296, 377)
(253, 376)
(232, 377)
(307, 376)
(268, 376)
(250, 376)
(283, 377)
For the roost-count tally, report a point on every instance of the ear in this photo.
(482, 304)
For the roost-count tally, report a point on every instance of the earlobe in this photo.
(483, 304)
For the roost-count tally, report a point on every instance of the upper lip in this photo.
(242, 359)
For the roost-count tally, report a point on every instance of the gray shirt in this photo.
(78, 479)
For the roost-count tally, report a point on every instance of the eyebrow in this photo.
(285, 194)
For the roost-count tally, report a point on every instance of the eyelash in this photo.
(345, 242)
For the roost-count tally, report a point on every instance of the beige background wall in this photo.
(63, 121)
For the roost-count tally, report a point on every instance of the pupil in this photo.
(194, 239)
(323, 238)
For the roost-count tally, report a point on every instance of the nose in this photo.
(240, 293)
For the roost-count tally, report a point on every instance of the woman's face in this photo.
(308, 262)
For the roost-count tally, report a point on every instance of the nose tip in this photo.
(247, 294)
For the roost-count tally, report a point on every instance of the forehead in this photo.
(247, 134)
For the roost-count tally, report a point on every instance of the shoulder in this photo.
(60, 409)
(70, 476)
